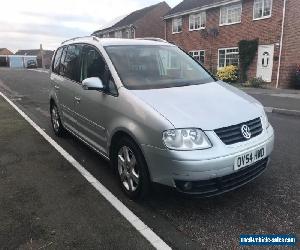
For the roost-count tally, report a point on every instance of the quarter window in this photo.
(228, 57)
(198, 55)
(197, 21)
(230, 14)
(262, 9)
(177, 25)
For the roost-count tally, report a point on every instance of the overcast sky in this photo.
(25, 24)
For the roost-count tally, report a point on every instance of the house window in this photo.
(197, 21)
(262, 9)
(228, 57)
(199, 55)
(230, 14)
(127, 34)
(118, 34)
(177, 25)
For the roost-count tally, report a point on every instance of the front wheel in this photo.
(131, 169)
(56, 121)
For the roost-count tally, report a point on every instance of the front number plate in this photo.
(249, 158)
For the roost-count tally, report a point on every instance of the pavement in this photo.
(45, 200)
(283, 101)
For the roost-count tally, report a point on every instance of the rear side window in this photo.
(56, 61)
(70, 62)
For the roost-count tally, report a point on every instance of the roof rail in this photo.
(75, 38)
(152, 39)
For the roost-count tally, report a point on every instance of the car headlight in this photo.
(186, 139)
(265, 121)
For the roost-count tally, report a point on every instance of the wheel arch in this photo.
(125, 133)
(119, 134)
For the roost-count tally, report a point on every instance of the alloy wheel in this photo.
(128, 169)
(55, 119)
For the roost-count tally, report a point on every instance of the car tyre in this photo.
(131, 169)
(56, 121)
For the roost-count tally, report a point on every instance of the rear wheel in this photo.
(56, 121)
(131, 169)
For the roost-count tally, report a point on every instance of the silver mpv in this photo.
(158, 116)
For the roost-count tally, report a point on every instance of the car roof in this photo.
(116, 41)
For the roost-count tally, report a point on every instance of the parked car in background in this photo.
(31, 64)
(158, 116)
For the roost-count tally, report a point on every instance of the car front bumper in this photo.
(209, 166)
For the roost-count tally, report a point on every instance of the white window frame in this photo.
(225, 55)
(192, 54)
(227, 7)
(262, 17)
(127, 34)
(118, 32)
(202, 21)
(176, 20)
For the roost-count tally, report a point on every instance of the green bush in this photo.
(228, 74)
(247, 52)
(256, 82)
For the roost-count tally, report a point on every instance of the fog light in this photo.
(187, 186)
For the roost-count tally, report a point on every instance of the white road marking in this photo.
(136, 222)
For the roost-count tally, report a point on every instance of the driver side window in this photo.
(93, 65)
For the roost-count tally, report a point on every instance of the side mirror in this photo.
(92, 83)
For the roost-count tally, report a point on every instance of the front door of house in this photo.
(265, 62)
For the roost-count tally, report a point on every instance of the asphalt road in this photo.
(269, 205)
(45, 203)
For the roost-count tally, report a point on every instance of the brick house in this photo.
(210, 30)
(146, 22)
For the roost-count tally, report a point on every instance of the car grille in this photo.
(225, 183)
(233, 134)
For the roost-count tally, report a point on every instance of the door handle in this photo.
(77, 99)
(56, 87)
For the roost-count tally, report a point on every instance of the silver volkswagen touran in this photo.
(158, 115)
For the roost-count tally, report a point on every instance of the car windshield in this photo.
(156, 66)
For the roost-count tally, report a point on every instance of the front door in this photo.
(93, 107)
(265, 62)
